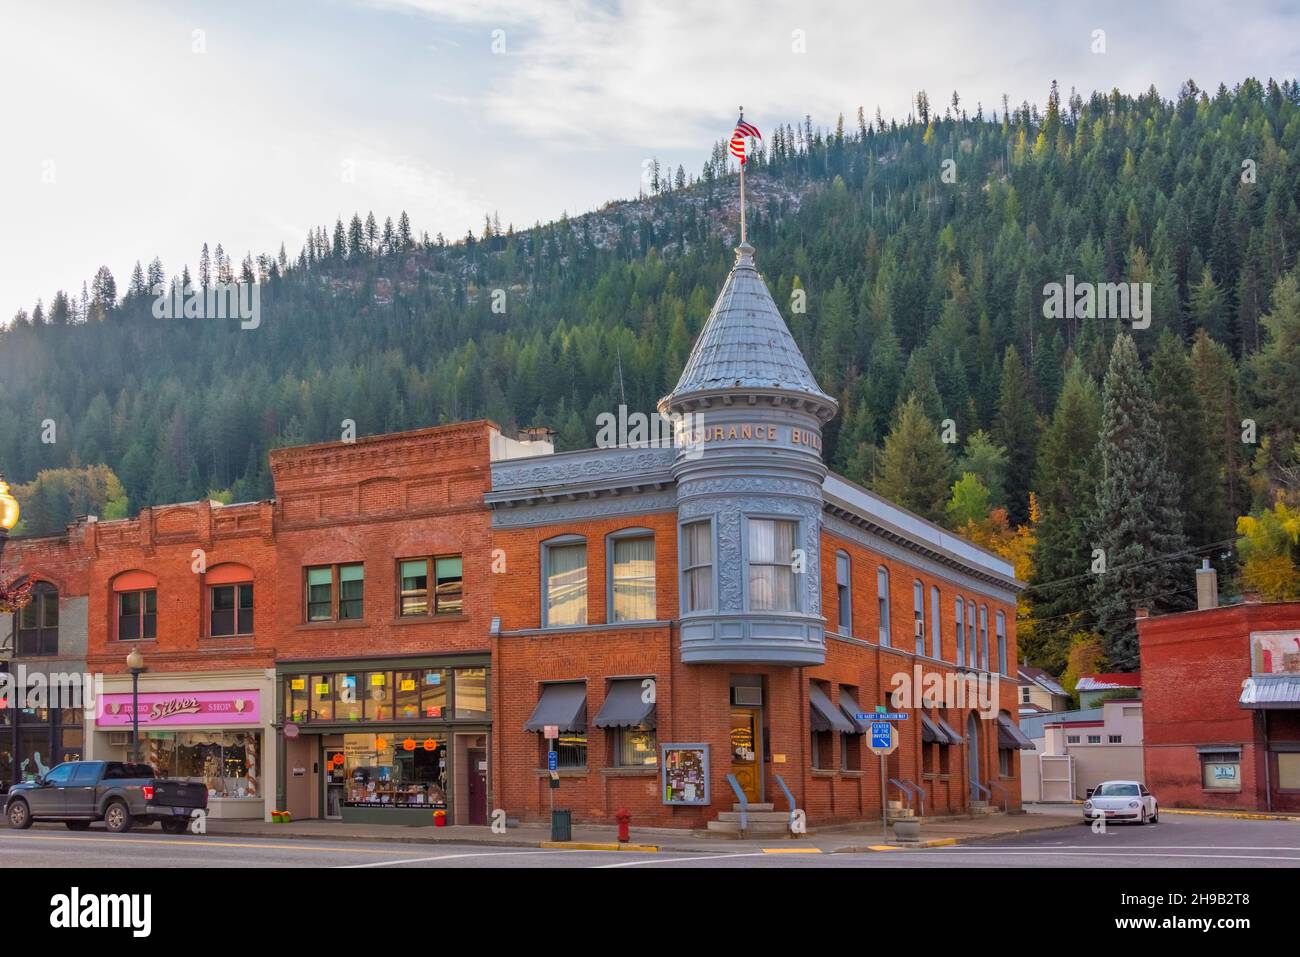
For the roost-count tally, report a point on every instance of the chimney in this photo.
(1207, 586)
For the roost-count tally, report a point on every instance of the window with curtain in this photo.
(771, 571)
(38, 622)
(632, 577)
(918, 615)
(844, 591)
(936, 648)
(320, 594)
(1001, 624)
(882, 600)
(566, 584)
(961, 634)
(351, 591)
(697, 566)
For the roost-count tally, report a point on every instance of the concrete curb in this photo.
(596, 846)
(1234, 815)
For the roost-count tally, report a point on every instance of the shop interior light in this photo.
(8, 507)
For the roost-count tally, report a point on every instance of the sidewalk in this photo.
(830, 840)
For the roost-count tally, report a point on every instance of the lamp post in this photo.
(8, 513)
(135, 662)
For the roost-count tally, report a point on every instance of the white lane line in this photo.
(678, 860)
(1199, 857)
(1122, 847)
(452, 857)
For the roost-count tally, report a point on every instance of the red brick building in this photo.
(419, 621)
(1221, 695)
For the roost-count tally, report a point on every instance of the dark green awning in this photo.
(564, 705)
(624, 706)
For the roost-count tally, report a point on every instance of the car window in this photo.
(86, 774)
(1111, 789)
(61, 775)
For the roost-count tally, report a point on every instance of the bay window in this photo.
(771, 565)
(697, 566)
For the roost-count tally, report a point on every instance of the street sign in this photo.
(552, 761)
(883, 740)
(552, 732)
(881, 716)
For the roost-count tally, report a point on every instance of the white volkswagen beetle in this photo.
(1121, 801)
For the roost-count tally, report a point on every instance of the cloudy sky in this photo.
(145, 127)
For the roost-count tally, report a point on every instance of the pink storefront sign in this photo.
(202, 708)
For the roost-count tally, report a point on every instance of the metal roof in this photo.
(1271, 691)
(1033, 725)
(745, 344)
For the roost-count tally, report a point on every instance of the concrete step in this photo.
(781, 817)
(756, 807)
(755, 827)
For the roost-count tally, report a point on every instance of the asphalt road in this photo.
(1177, 841)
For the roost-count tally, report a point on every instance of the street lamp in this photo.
(135, 662)
(8, 513)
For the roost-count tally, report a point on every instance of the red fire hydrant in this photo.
(623, 816)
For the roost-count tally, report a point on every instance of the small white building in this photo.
(1077, 750)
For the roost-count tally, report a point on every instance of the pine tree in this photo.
(1016, 429)
(915, 465)
(1137, 522)
(1277, 375)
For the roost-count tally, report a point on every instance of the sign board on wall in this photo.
(685, 773)
(1275, 652)
(202, 708)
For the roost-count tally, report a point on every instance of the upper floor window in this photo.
(631, 556)
(1024, 694)
(771, 564)
(936, 649)
(918, 615)
(445, 597)
(564, 572)
(1001, 624)
(232, 610)
(961, 633)
(984, 637)
(697, 566)
(135, 600)
(844, 591)
(38, 622)
(336, 592)
(882, 600)
(972, 649)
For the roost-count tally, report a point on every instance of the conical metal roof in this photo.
(745, 347)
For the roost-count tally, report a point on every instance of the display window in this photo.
(392, 769)
(226, 761)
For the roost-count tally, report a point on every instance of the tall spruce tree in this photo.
(1136, 521)
(1016, 429)
(915, 466)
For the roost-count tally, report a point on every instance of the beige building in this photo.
(1040, 693)
(1077, 750)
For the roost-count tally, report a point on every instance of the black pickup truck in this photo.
(115, 792)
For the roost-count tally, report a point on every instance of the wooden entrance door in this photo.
(746, 752)
(476, 758)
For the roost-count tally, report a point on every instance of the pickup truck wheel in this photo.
(77, 825)
(173, 826)
(20, 815)
(117, 818)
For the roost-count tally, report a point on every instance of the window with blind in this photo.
(632, 577)
(564, 568)
(972, 648)
(417, 599)
(38, 622)
(984, 637)
(918, 615)
(336, 592)
(961, 634)
(771, 565)
(697, 566)
(936, 647)
(844, 592)
(1001, 624)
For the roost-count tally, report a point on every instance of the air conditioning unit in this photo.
(750, 697)
(119, 739)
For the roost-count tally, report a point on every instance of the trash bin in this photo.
(561, 825)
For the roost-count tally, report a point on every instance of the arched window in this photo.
(972, 648)
(918, 615)
(38, 623)
(936, 647)
(844, 591)
(230, 600)
(1001, 621)
(135, 600)
(984, 637)
(961, 634)
(882, 600)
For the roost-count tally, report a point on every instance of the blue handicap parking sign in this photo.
(551, 761)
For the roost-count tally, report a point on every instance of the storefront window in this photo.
(383, 770)
(1221, 771)
(295, 698)
(379, 692)
(227, 762)
(34, 753)
(471, 693)
(350, 701)
(322, 698)
(635, 747)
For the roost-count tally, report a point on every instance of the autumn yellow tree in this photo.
(1270, 551)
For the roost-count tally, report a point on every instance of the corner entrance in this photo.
(746, 756)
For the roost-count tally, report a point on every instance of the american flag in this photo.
(738, 136)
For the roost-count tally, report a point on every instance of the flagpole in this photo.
(742, 190)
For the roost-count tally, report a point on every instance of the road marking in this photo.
(451, 857)
(792, 850)
(196, 842)
(678, 860)
(1134, 847)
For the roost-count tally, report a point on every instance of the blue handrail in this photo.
(788, 796)
(1006, 798)
(905, 789)
(740, 797)
(920, 790)
(981, 789)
